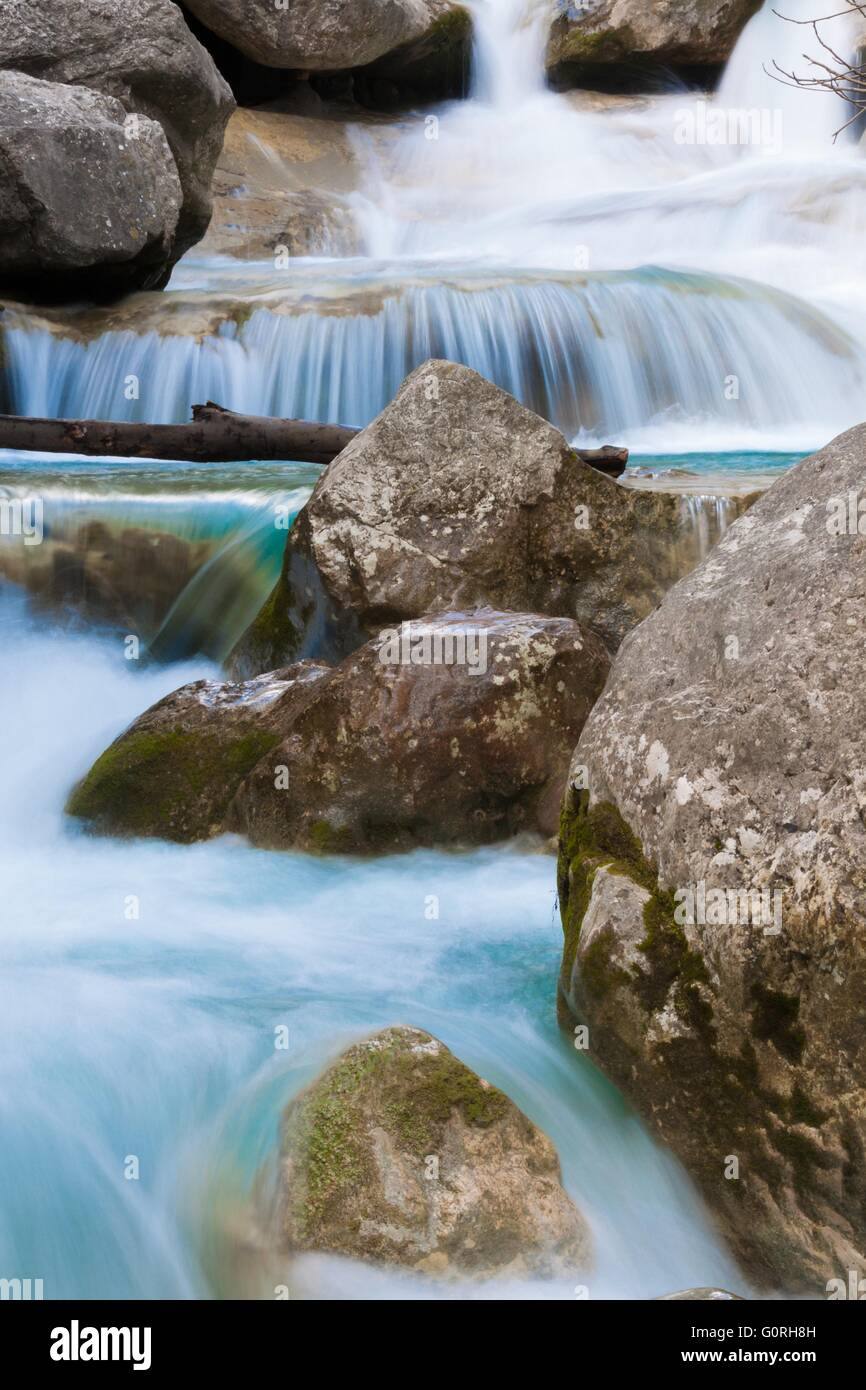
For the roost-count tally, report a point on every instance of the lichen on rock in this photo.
(400, 1154)
(722, 767)
(508, 517)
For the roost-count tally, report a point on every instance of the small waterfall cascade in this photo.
(599, 355)
(779, 40)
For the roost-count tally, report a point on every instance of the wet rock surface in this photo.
(456, 730)
(451, 730)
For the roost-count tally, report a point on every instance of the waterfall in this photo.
(509, 39)
(675, 295)
(780, 37)
(602, 356)
(628, 284)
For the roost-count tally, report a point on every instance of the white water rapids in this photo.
(616, 277)
(607, 260)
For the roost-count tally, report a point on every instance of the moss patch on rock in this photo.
(173, 783)
(596, 837)
(327, 1128)
(271, 639)
(399, 1153)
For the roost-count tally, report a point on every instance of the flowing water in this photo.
(634, 280)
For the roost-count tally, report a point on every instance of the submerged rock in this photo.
(123, 576)
(457, 730)
(401, 1155)
(84, 207)
(145, 57)
(328, 35)
(713, 876)
(280, 181)
(173, 772)
(456, 496)
(665, 33)
(452, 730)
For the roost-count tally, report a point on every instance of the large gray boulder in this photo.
(666, 32)
(144, 55)
(458, 496)
(400, 1155)
(713, 875)
(329, 35)
(85, 207)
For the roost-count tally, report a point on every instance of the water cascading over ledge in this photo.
(599, 355)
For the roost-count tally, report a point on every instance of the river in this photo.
(700, 303)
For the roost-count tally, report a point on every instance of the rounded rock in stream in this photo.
(666, 33)
(456, 496)
(713, 875)
(145, 57)
(84, 208)
(329, 35)
(455, 730)
(402, 1155)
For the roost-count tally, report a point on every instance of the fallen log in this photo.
(214, 435)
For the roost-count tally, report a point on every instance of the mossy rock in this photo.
(175, 771)
(658, 1028)
(400, 1154)
(172, 783)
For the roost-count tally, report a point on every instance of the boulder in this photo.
(452, 730)
(457, 730)
(172, 774)
(401, 1155)
(328, 35)
(713, 875)
(665, 33)
(143, 55)
(85, 207)
(454, 497)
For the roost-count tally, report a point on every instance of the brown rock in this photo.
(666, 32)
(173, 772)
(389, 755)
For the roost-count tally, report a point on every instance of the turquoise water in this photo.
(153, 1037)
